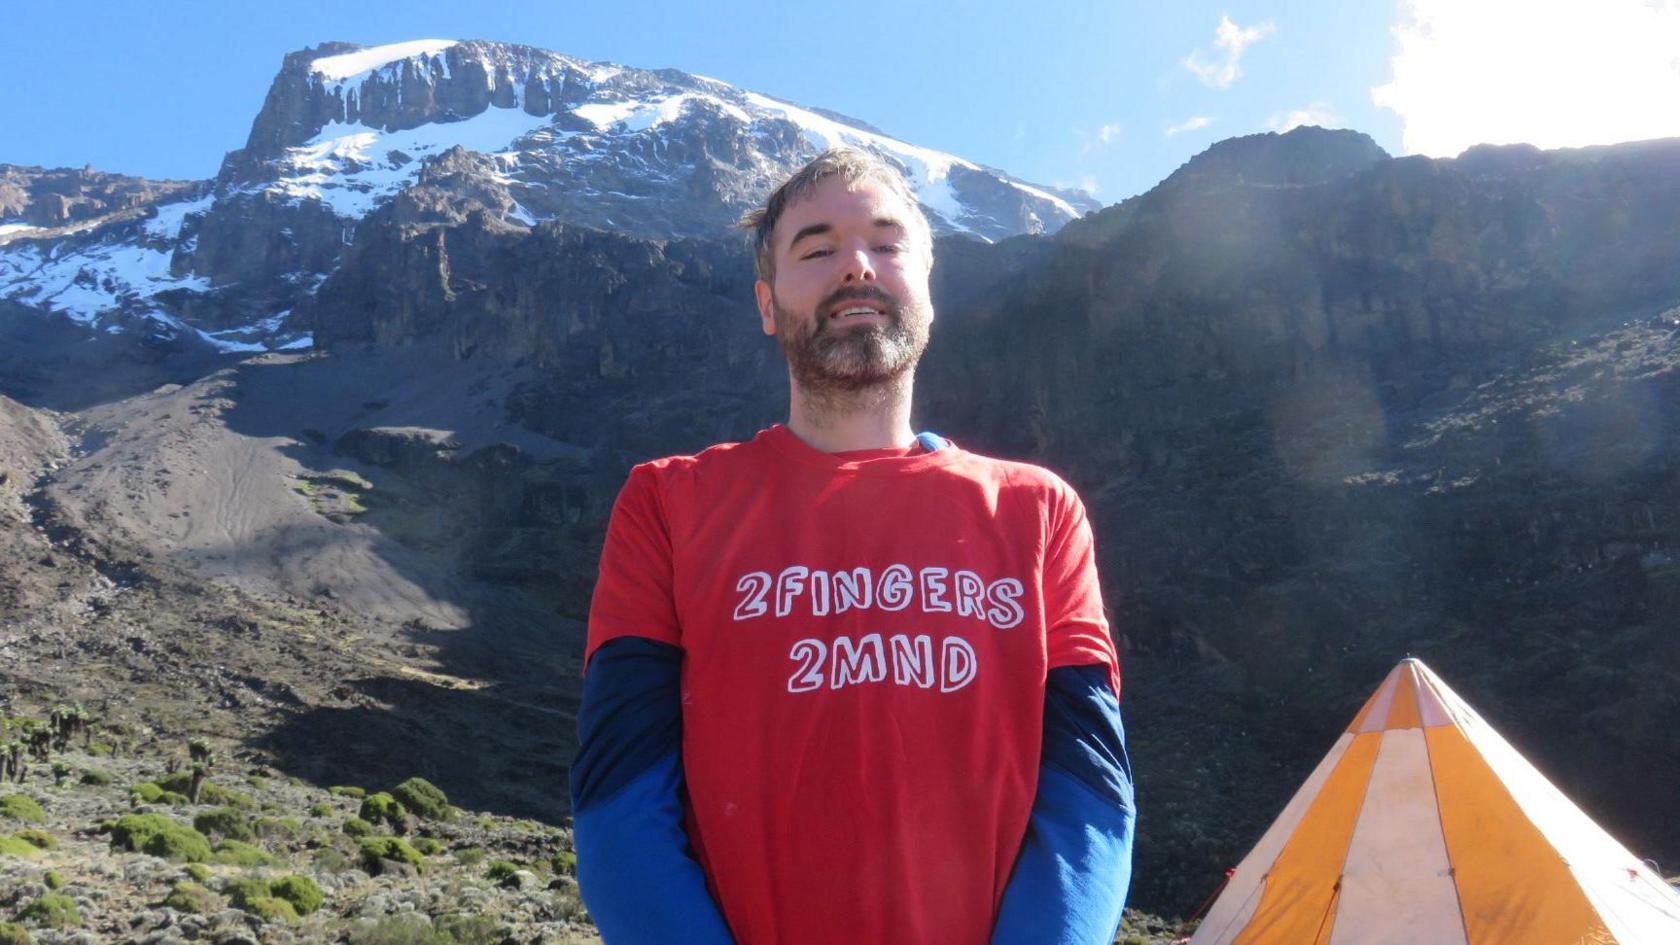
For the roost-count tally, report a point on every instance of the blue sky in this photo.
(1081, 94)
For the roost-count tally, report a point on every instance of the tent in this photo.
(1422, 826)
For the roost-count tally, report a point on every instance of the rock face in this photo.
(1327, 416)
(48, 198)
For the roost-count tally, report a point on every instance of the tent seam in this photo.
(1440, 822)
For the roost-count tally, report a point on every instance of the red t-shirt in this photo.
(866, 638)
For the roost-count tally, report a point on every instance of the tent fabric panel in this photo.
(1397, 885)
(1430, 707)
(1374, 715)
(1404, 713)
(1514, 887)
(1634, 904)
(1302, 886)
(1236, 902)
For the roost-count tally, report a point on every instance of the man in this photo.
(845, 683)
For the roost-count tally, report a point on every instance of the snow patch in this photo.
(352, 168)
(350, 65)
(167, 224)
(636, 115)
(604, 115)
(1046, 196)
(87, 282)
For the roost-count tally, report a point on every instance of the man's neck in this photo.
(842, 421)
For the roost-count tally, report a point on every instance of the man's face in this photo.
(849, 302)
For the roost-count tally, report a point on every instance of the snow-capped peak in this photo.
(346, 66)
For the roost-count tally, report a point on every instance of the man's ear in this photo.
(766, 306)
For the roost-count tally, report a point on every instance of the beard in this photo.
(827, 356)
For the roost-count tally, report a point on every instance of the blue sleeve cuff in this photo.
(1070, 880)
(636, 870)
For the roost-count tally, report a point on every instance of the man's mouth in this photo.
(856, 310)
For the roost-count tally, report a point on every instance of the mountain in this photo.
(344, 129)
(1327, 407)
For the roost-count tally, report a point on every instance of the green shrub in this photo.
(322, 809)
(192, 897)
(257, 781)
(159, 836)
(429, 846)
(22, 807)
(40, 838)
(501, 870)
(54, 880)
(375, 850)
(96, 777)
(301, 891)
(199, 872)
(99, 750)
(346, 791)
(568, 906)
(384, 808)
(228, 822)
(270, 909)
(468, 929)
(182, 846)
(330, 860)
(357, 827)
(237, 853)
(277, 828)
(12, 846)
(401, 929)
(208, 793)
(148, 792)
(53, 910)
(13, 934)
(565, 863)
(423, 798)
(471, 856)
(242, 890)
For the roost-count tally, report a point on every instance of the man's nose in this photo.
(859, 267)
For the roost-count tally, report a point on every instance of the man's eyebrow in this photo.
(815, 229)
(818, 229)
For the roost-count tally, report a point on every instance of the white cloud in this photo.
(1554, 73)
(1196, 123)
(1098, 139)
(1231, 39)
(1317, 113)
(1087, 183)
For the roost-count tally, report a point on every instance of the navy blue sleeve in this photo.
(1070, 880)
(636, 871)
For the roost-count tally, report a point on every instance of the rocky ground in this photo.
(487, 879)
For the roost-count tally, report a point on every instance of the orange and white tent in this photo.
(1423, 827)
